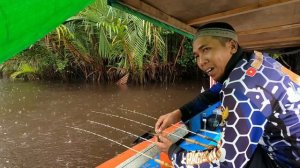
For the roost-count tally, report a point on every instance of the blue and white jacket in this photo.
(263, 99)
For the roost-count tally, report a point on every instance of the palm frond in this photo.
(104, 45)
(23, 70)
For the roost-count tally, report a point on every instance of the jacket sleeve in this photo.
(201, 102)
(243, 129)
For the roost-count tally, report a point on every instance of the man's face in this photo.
(211, 56)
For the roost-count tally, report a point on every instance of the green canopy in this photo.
(23, 22)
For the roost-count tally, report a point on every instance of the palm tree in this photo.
(100, 43)
(124, 40)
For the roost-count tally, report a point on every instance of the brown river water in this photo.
(34, 120)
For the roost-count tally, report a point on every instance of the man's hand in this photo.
(163, 143)
(166, 120)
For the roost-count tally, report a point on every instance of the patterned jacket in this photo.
(263, 99)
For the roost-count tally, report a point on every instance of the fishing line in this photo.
(202, 136)
(125, 146)
(187, 139)
(105, 125)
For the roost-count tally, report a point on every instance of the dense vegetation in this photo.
(103, 44)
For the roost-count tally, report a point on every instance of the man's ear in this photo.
(234, 46)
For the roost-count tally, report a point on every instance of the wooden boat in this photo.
(261, 25)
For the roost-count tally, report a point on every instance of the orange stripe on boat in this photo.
(124, 156)
(119, 159)
(165, 158)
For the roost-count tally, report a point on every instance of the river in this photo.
(35, 120)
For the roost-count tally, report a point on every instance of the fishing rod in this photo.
(202, 136)
(187, 139)
(117, 116)
(133, 111)
(118, 129)
(125, 146)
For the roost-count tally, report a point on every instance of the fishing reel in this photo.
(213, 121)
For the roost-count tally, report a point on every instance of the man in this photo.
(263, 98)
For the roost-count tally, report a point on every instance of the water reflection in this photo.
(34, 116)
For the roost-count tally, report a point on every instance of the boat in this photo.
(131, 159)
(261, 25)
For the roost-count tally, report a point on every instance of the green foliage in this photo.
(275, 55)
(61, 65)
(103, 44)
(24, 70)
(187, 59)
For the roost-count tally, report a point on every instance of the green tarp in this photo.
(23, 22)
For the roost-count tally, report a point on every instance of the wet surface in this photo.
(34, 117)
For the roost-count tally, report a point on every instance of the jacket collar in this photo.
(236, 57)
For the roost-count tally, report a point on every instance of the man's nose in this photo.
(202, 61)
